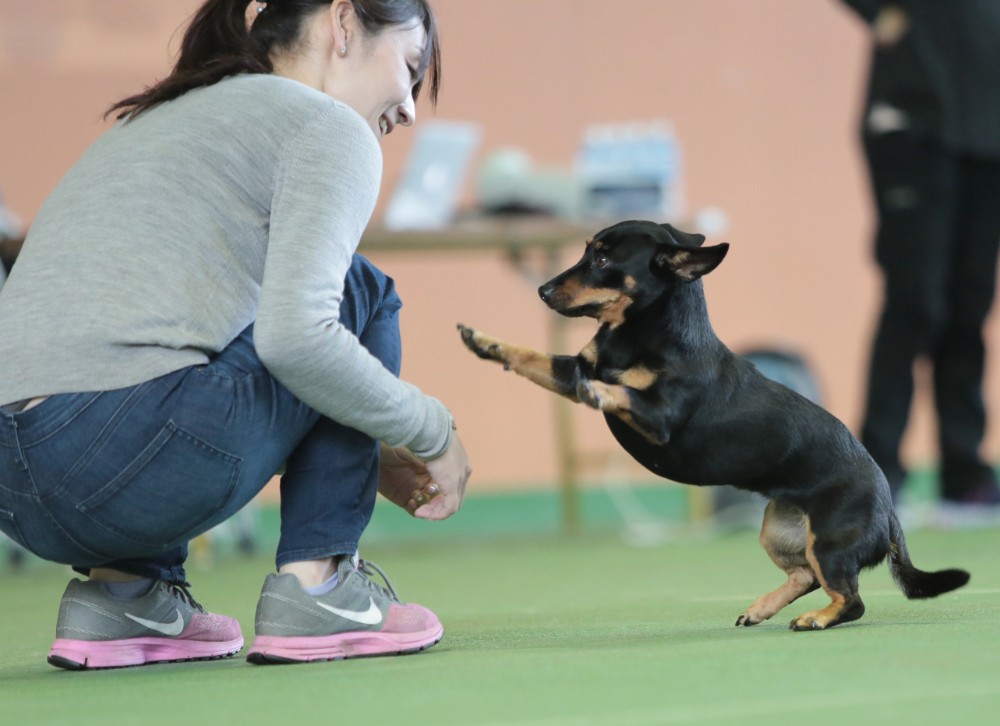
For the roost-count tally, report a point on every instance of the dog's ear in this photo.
(684, 239)
(689, 264)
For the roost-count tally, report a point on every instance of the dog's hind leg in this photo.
(837, 571)
(784, 536)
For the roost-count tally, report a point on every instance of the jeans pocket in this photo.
(169, 493)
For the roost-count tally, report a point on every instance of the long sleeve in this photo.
(327, 185)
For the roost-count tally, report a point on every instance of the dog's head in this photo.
(627, 266)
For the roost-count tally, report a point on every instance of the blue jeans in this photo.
(124, 478)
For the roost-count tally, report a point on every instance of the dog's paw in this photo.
(747, 620)
(484, 347)
(810, 621)
(468, 336)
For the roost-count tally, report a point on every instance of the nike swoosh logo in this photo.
(172, 629)
(371, 616)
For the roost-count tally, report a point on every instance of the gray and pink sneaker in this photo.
(98, 630)
(357, 618)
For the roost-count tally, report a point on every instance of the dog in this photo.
(689, 410)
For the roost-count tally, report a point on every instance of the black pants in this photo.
(937, 240)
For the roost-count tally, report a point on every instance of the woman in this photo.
(188, 315)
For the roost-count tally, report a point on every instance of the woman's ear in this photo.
(343, 24)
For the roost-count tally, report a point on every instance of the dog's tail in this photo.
(914, 583)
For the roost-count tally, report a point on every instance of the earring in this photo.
(343, 51)
(261, 6)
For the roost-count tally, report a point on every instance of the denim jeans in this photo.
(124, 478)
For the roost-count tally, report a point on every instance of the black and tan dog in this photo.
(688, 409)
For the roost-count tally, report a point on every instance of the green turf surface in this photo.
(557, 630)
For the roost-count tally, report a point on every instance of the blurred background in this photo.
(762, 98)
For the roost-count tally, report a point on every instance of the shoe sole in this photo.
(78, 655)
(277, 650)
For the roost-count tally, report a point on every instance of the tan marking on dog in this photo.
(630, 283)
(783, 535)
(589, 352)
(614, 312)
(534, 365)
(609, 302)
(820, 619)
(612, 399)
(639, 378)
(800, 580)
(679, 260)
(566, 295)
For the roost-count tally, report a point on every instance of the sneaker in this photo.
(97, 630)
(356, 618)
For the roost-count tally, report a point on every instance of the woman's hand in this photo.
(404, 479)
(449, 474)
(428, 490)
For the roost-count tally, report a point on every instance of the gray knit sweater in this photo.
(238, 203)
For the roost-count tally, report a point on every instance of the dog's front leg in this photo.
(627, 404)
(557, 373)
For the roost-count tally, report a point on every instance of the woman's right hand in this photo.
(449, 475)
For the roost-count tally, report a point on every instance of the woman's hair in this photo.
(218, 43)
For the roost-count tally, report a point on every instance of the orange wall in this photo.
(763, 93)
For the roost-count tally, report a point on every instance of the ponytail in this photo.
(216, 44)
(219, 42)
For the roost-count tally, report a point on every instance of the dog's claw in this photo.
(488, 352)
(800, 626)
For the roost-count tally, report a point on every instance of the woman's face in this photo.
(377, 76)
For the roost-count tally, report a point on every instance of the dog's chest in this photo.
(623, 362)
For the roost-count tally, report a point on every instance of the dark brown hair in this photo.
(218, 43)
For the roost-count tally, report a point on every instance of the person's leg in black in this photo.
(960, 356)
(912, 183)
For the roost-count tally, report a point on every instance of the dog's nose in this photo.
(545, 292)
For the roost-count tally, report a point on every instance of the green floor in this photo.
(549, 629)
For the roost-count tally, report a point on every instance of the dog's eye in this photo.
(600, 261)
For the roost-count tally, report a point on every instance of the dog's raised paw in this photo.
(467, 334)
(481, 345)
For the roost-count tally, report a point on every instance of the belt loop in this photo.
(17, 444)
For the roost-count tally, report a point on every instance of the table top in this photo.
(486, 233)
